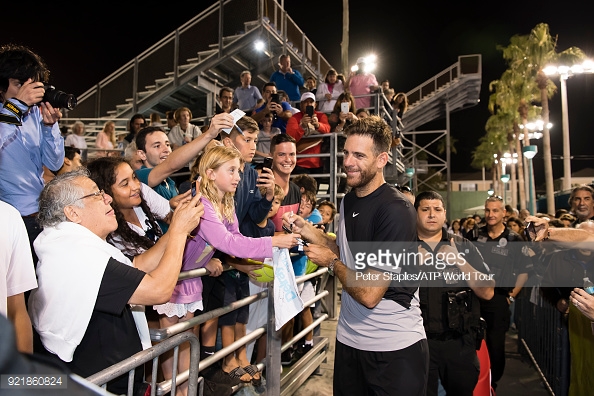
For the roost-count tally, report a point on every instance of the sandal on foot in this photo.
(238, 372)
(252, 370)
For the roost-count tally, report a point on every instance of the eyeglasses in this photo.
(95, 194)
(495, 197)
(403, 188)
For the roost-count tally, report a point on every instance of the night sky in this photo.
(413, 42)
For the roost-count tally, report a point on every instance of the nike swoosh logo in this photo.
(355, 214)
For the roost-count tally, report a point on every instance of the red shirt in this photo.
(294, 129)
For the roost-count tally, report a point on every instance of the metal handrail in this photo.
(129, 365)
(143, 55)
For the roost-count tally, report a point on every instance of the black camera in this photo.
(59, 99)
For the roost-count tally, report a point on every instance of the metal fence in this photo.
(543, 337)
(172, 337)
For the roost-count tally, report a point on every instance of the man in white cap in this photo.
(361, 82)
(308, 122)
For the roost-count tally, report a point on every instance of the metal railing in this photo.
(129, 365)
(467, 64)
(544, 337)
(173, 336)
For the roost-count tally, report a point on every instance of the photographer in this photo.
(305, 123)
(29, 133)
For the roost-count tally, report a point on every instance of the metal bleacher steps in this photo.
(458, 86)
(190, 65)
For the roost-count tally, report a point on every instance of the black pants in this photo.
(402, 372)
(456, 363)
(497, 315)
(33, 230)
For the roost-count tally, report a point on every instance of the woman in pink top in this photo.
(219, 230)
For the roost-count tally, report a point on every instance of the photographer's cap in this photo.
(308, 95)
(361, 60)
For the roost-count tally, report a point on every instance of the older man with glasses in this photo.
(81, 310)
(502, 250)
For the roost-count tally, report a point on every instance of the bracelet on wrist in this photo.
(331, 265)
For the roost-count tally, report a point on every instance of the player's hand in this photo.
(319, 254)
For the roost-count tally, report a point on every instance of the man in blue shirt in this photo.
(281, 111)
(246, 96)
(287, 79)
(30, 137)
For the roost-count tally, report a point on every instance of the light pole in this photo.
(564, 72)
(505, 178)
(535, 129)
(529, 152)
(510, 159)
(410, 173)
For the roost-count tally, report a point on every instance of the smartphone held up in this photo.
(196, 186)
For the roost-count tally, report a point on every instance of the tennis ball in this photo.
(264, 274)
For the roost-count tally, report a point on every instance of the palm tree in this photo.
(500, 127)
(529, 55)
(483, 156)
(503, 103)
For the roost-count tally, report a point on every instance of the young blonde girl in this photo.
(219, 230)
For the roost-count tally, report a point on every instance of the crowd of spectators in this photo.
(135, 228)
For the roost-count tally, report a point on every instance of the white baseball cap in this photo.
(361, 60)
(308, 95)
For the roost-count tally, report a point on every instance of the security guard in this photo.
(455, 275)
(502, 251)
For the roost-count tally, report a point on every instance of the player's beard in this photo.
(364, 178)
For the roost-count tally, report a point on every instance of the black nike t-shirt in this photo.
(383, 220)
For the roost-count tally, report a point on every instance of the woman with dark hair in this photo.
(400, 103)
(138, 229)
(516, 225)
(328, 92)
(456, 228)
(338, 119)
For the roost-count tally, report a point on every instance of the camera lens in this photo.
(59, 99)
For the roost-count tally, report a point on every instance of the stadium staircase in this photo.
(189, 66)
